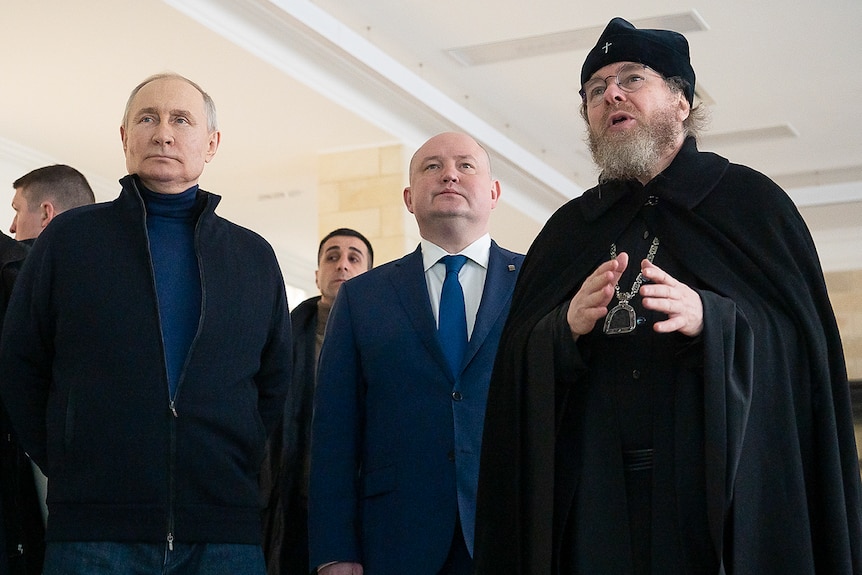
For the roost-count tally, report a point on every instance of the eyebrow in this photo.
(461, 157)
(155, 111)
(349, 248)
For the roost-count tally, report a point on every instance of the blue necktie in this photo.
(452, 329)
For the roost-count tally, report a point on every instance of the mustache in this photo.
(636, 153)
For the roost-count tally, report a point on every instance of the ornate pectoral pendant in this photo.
(621, 319)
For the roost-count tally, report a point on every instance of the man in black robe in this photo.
(670, 393)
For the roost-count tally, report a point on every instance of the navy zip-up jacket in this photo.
(83, 375)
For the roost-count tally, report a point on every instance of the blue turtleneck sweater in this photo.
(171, 222)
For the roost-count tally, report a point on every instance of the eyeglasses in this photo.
(630, 78)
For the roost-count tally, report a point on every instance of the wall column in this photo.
(845, 292)
(362, 189)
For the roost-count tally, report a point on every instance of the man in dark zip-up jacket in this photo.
(151, 358)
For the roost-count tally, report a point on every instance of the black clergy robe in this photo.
(755, 467)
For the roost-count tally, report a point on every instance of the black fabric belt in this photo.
(638, 459)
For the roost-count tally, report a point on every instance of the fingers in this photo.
(656, 275)
(662, 293)
(678, 301)
(590, 303)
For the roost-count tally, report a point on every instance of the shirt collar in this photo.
(478, 251)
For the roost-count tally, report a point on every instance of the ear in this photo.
(684, 108)
(46, 213)
(408, 199)
(317, 279)
(212, 147)
(123, 136)
(495, 193)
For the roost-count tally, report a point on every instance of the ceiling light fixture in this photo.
(578, 39)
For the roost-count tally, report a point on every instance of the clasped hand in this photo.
(663, 293)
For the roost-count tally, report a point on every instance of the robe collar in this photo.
(689, 178)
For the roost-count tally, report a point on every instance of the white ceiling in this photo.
(293, 79)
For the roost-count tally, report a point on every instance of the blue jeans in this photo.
(108, 558)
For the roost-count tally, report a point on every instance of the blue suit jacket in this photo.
(396, 439)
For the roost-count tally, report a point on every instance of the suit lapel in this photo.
(499, 284)
(408, 281)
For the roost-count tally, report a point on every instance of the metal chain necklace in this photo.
(621, 318)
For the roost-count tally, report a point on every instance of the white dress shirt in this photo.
(471, 276)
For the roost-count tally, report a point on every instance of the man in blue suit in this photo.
(397, 432)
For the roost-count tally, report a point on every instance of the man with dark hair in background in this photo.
(342, 254)
(42, 194)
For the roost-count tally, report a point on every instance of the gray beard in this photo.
(634, 155)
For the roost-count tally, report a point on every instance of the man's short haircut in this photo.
(209, 105)
(62, 185)
(351, 233)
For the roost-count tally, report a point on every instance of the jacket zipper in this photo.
(173, 400)
(172, 405)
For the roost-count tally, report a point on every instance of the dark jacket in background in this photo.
(82, 372)
(286, 508)
(22, 535)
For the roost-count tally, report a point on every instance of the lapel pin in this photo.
(511, 268)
